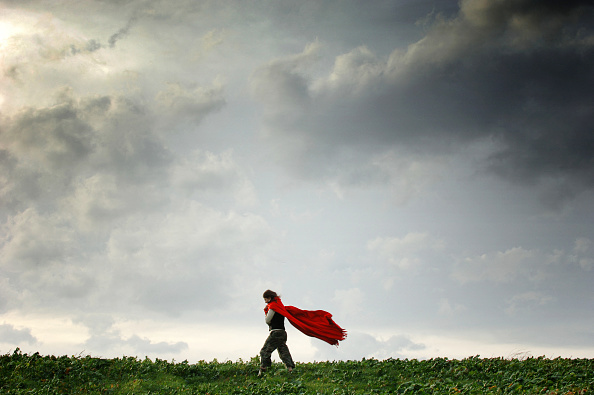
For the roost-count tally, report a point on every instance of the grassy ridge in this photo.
(35, 374)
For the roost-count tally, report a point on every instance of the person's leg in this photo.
(270, 345)
(266, 352)
(284, 353)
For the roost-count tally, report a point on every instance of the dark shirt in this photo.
(278, 321)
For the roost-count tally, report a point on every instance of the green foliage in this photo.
(35, 374)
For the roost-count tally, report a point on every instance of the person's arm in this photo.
(269, 316)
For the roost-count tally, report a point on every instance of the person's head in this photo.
(269, 295)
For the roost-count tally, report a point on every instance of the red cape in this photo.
(314, 323)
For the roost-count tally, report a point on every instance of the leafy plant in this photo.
(36, 374)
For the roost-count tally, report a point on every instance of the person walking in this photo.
(314, 323)
(277, 338)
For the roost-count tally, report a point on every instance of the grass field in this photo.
(36, 374)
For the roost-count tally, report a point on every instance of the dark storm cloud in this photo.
(517, 73)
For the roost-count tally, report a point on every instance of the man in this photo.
(277, 339)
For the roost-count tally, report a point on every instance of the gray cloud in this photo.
(207, 254)
(35, 239)
(145, 208)
(134, 345)
(120, 34)
(9, 334)
(192, 103)
(52, 150)
(494, 72)
(93, 45)
(80, 167)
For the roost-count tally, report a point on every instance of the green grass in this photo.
(36, 374)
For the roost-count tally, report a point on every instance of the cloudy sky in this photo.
(424, 170)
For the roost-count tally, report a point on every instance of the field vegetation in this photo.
(22, 373)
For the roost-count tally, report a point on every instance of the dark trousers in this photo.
(277, 340)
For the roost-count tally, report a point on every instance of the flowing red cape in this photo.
(314, 323)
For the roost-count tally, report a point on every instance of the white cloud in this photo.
(364, 345)
(499, 267)
(208, 174)
(446, 308)
(134, 345)
(584, 253)
(193, 103)
(519, 264)
(353, 74)
(192, 253)
(526, 301)
(350, 302)
(405, 253)
(409, 177)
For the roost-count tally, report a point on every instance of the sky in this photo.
(423, 170)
